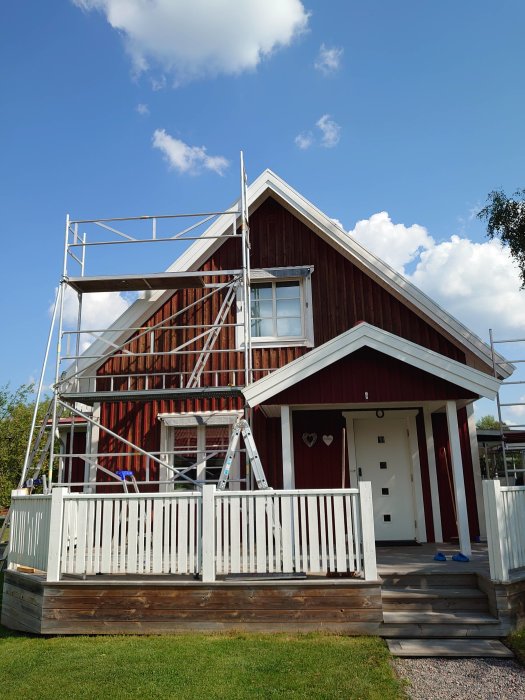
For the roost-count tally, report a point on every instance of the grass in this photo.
(228, 666)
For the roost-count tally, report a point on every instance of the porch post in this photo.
(367, 531)
(432, 472)
(56, 523)
(163, 471)
(476, 468)
(287, 448)
(208, 533)
(91, 468)
(459, 483)
(352, 461)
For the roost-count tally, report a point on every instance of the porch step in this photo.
(439, 618)
(430, 580)
(437, 605)
(434, 599)
(449, 647)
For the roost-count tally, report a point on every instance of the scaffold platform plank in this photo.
(89, 398)
(136, 283)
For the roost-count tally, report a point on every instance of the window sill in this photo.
(277, 343)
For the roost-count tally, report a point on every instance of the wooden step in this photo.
(434, 599)
(449, 647)
(453, 617)
(446, 631)
(430, 580)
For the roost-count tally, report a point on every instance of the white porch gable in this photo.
(370, 336)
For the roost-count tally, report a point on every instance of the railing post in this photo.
(367, 530)
(56, 519)
(496, 530)
(208, 533)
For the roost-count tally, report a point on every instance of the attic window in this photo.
(280, 308)
(277, 310)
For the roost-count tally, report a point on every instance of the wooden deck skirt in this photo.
(161, 605)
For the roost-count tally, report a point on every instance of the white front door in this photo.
(383, 458)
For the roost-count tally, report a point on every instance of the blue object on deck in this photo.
(460, 557)
(440, 557)
(122, 474)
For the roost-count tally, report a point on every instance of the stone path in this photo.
(462, 679)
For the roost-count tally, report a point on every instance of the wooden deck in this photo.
(414, 597)
(157, 605)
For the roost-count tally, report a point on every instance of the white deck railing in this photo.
(505, 516)
(288, 531)
(210, 533)
(29, 531)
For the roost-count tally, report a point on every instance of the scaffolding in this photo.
(79, 385)
(512, 468)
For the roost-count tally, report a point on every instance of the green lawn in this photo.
(196, 666)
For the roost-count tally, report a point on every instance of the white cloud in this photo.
(195, 38)
(396, 244)
(330, 134)
(330, 130)
(99, 311)
(478, 283)
(329, 59)
(184, 158)
(142, 109)
(304, 140)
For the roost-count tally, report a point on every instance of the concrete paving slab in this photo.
(449, 647)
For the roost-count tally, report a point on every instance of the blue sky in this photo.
(412, 115)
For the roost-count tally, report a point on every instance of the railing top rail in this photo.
(32, 497)
(513, 488)
(130, 496)
(289, 492)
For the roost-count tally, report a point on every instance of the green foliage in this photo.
(506, 220)
(489, 423)
(16, 412)
(516, 641)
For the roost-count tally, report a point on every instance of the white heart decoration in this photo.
(309, 439)
(328, 439)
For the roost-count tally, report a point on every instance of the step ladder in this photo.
(242, 427)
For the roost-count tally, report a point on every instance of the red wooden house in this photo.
(359, 391)
(356, 375)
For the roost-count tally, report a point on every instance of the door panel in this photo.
(383, 458)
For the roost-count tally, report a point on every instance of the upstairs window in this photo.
(277, 310)
(280, 308)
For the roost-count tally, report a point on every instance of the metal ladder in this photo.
(242, 427)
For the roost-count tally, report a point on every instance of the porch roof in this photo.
(366, 335)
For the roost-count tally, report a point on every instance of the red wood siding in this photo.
(267, 434)
(445, 478)
(370, 372)
(425, 477)
(319, 466)
(342, 296)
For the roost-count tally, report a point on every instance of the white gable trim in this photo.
(269, 183)
(366, 335)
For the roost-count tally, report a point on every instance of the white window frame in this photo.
(303, 275)
(171, 421)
